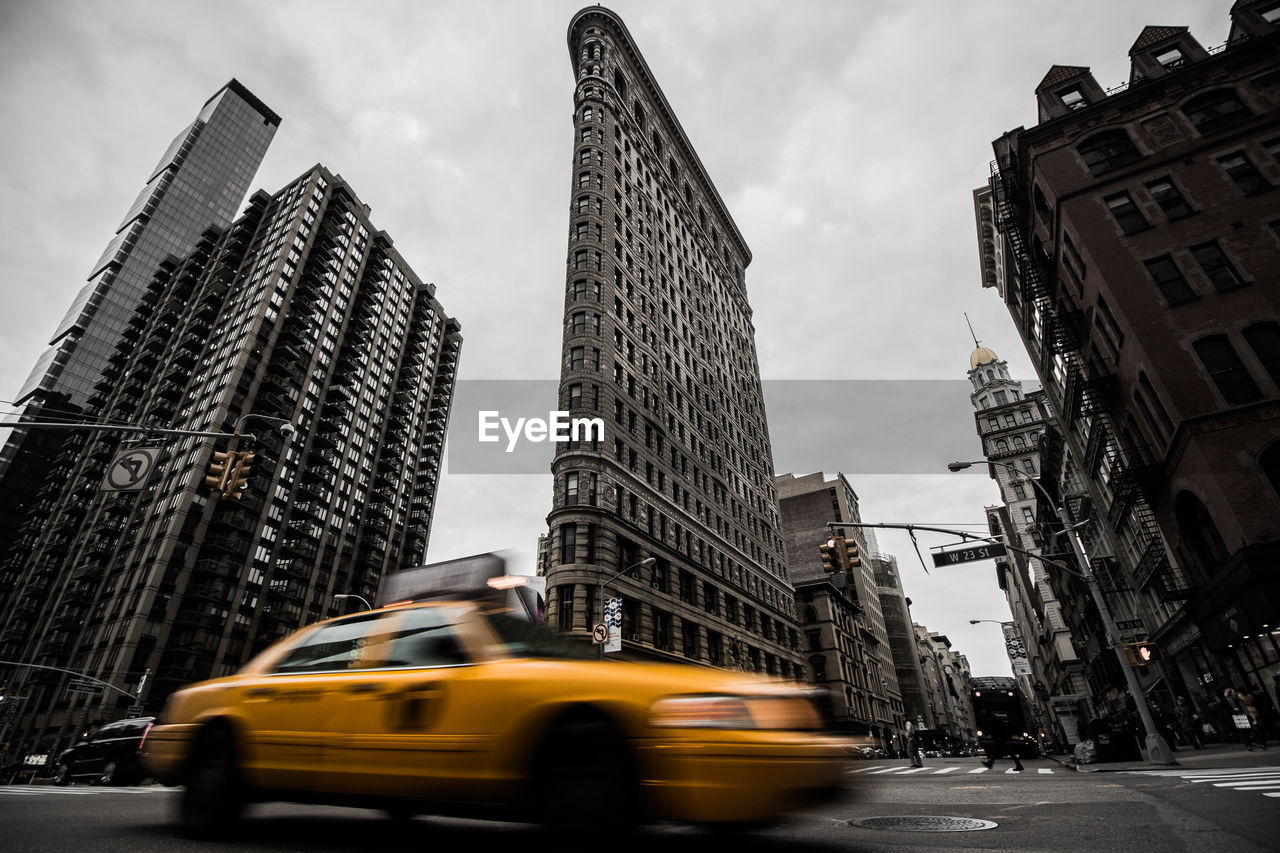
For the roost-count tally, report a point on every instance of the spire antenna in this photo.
(976, 344)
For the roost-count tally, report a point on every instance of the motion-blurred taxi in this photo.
(461, 708)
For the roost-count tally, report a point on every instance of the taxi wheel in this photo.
(212, 799)
(585, 782)
(62, 776)
(108, 776)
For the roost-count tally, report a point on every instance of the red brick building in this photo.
(1141, 238)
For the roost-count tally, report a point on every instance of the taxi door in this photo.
(402, 735)
(290, 713)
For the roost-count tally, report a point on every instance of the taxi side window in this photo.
(425, 638)
(337, 646)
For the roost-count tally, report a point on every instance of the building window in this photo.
(1264, 338)
(1226, 369)
(1269, 462)
(818, 664)
(1199, 532)
(1243, 173)
(1073, 98)
(1171, 57)
(1108, 150)
(1126, 213)
(1217, 267)
(564, 600)
(568, 544)
(576, 358)
(1166, 275)
(1215, 111)
(571, 488)
(1170, 199)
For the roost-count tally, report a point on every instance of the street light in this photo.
(1158, 751)
(343, 596)
(283, 424)
(647, 561)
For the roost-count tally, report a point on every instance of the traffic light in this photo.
(239, 479)
(1142, 654)
(851, 558)
(831, 555)
(219, 470)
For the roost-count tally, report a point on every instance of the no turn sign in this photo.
(599, 633)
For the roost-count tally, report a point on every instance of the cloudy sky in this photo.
(845, 136)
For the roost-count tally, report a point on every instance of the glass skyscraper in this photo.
(301, 313)
(201, 181)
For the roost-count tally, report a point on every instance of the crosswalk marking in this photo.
(939, 771)
(47, 790)
(1263, 780)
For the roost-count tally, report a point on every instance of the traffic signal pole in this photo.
(1158, 751)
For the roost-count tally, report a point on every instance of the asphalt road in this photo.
(1049, 807)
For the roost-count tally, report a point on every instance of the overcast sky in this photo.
(845, 136)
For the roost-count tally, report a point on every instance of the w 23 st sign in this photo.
(969, 554)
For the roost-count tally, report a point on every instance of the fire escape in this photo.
(1052, 323)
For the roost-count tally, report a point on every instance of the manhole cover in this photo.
(924, 823)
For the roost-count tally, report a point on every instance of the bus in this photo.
(998, 703)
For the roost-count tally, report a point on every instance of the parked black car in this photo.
(109, 756)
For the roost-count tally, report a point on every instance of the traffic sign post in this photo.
(129, 471)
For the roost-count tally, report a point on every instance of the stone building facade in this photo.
(1141, 237)
(675, 508)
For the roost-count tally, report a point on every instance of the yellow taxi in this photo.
(462, 708)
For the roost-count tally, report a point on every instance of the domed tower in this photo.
(992, 384)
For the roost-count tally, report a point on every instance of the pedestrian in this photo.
(1240, 719)
(1257, 725)
(999, 745)
(912, 736)
(1164, 724)
(1188, 723)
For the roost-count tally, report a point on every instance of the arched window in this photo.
(810, 616)
(1199, 533)
(1215, 111)
(1108, 150)
(1002, 446)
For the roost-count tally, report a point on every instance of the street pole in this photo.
(1158, 751)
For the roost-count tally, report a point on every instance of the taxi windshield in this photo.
(525, 639)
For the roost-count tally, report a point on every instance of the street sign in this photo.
(80, 685)
(129, 471)
(969, 554)
(613, 621)
(1130, 625)
(599, 633)
(133, 712)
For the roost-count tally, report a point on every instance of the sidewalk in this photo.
(1216, 756)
